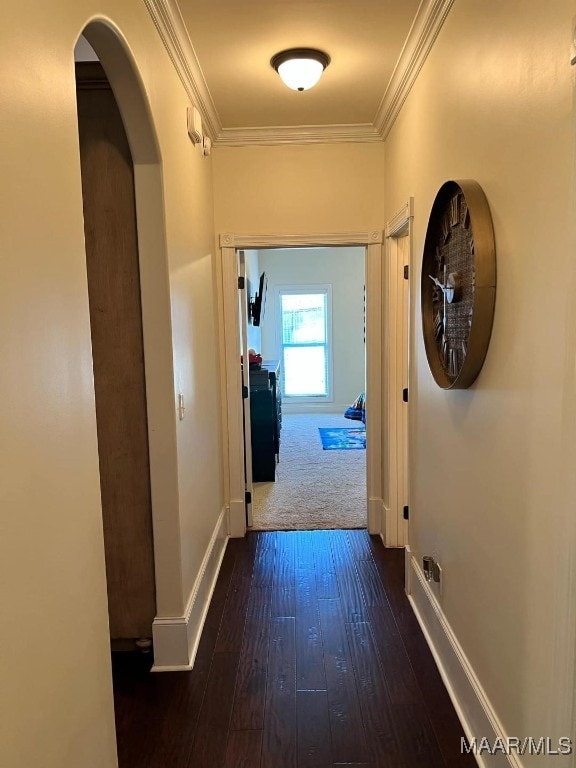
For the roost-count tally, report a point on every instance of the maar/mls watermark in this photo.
(512, 745)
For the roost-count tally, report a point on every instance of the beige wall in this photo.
(310, 189)
(492, 471)
(315, 188)
(56, 688)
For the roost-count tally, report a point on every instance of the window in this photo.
(304, 340)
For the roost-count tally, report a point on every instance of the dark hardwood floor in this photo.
(310, 657)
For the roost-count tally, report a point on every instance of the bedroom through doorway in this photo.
(305, 335)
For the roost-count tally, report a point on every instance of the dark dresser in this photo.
(266, 420)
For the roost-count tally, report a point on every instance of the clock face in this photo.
(458, 284)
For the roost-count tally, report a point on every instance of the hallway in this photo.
(311, 657)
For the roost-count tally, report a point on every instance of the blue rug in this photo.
(343, 438)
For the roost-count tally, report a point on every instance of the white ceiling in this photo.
(221, 51)
(234, 40)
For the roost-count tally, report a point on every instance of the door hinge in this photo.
(406, 271)
(241, 283)
(244, 392)
(248, 497)
(406, 512)
(405, 394)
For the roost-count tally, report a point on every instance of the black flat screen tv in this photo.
(259, 303)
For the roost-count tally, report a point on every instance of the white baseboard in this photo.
(407, 570)
(394, 532)
(176, 638)
(476, 713)
(386, 525)
(375, 517)
(237, 518)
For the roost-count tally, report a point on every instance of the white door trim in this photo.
(247, 429)
(396, 364)
(233, 437)
(232, 416)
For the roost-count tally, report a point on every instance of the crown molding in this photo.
(231, 240)
(299, 134)
(427, 24)
(173, 33)
(423, 32)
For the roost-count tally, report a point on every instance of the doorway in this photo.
(112, 265)
(233, 412)
(149, 290)
(306, 319)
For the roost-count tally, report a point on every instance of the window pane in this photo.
(305, 371)
(303, 318)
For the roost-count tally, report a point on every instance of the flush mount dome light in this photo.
(300, 68)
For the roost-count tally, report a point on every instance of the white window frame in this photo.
(304, 290)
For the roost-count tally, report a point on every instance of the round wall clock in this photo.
(458, 286)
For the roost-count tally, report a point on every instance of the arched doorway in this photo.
(138, 306)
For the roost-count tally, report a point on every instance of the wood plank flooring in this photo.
(310, 657)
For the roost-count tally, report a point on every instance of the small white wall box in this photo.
(206, 146)
(194, 124)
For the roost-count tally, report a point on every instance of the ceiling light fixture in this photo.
(300, 68)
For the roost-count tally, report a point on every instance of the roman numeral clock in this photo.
(458, 284)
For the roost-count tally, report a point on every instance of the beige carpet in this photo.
(314, 488)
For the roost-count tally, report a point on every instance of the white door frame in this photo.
(396, 366)
(247, 428)
(232, 416)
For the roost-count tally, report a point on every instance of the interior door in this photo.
(243, 309)
(118, 355)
